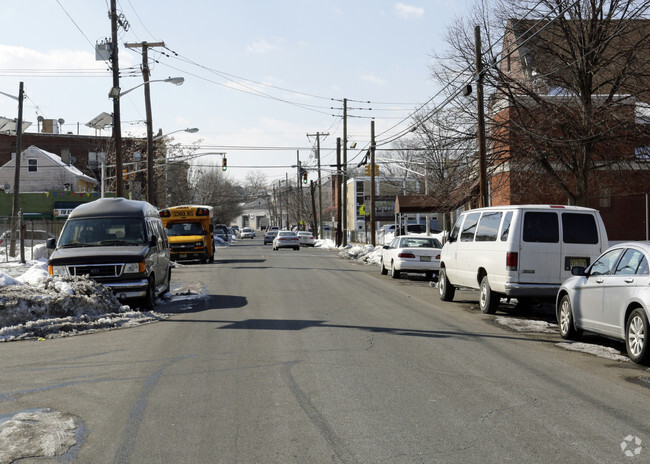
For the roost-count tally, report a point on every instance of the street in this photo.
(304, 357)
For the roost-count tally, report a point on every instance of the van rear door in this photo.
(582, 240)
(540, 255)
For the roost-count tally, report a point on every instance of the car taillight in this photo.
(512, 260)
(406, 255)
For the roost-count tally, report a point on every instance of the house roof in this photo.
(56, 159)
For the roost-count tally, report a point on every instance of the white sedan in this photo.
(611, 297)
(306, 239)
(286, 239)
(247, 232)
(411, 253)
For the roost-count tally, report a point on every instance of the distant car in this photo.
(247, 232)
(269, 236)
(411, 253)
(235, 229)
(36, 236)
(611, 298)
(306, 239)
(221, 231)
(286, 239)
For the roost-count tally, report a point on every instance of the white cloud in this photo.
(408, 11)
(25, 58)
(261, 47)
(373, 79)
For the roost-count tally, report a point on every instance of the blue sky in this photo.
(258, 73)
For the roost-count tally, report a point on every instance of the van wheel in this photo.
(394, 273)
(148, 302)
(636, 332)
(488, 301)
(169, 282)
(568, 329)
(447, 291)
(383, 270)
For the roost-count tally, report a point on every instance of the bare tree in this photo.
(565, 79)
(210, 186)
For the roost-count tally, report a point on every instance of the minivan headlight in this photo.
(134, 268)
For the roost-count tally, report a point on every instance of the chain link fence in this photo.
(33, 231)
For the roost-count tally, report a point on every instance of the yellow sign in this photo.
(362, 210)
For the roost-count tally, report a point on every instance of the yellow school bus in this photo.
(189, 229)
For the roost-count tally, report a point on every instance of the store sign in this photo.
(62, 212)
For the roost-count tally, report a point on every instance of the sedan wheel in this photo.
(636, 330)
(384, 271)
(394, 273)
(568, 330)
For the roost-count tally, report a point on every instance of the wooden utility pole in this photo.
(345, 172)
(151, 188)
(339, 231)
(115, 95)
(482, 155)
(320, 192)
(16, 189)
(372, 183)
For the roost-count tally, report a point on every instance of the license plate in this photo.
(570, 262)
(425, 258)
(182, 255)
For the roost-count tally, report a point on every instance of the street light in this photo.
(117, 92)
(191, 130)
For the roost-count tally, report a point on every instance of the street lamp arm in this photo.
(191, 130)
(9, 95)
(171, 80)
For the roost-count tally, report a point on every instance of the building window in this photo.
(32, 165)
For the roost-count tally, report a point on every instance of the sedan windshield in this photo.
(102, 231)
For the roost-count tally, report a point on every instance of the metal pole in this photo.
(337, 189)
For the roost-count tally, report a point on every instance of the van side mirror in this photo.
(451, 239)
(50, 243)
(153, 241)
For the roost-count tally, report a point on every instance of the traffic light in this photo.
(376, 170)
(224, 163)
(368, 169)
(304, 176)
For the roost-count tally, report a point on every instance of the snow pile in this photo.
(596, 350)
(36, 305)
(527, 325)
(365, 254)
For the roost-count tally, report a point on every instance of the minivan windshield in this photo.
(102, 231)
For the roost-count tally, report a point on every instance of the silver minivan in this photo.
(523, 252)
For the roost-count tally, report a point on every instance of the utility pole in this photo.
(482, 162)
(151, 188)
(115, 94)
(14, 208)
(299, 184)
(372, 183)
(339, 234)
(320, 192)
(345, 171)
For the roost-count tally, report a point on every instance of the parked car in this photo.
(523, 252)
(31, 236)
(119, 243)
(306, 239)
(221, 231)
(247, 232)
(235, 229)
(411, 253)
(286, 239)
(269, 236)
(611, 297)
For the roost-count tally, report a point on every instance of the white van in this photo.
(523, 252)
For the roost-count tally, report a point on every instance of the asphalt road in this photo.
(304, 357)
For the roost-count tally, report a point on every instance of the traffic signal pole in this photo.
(372, 183)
